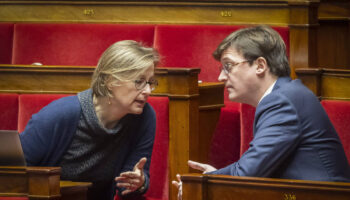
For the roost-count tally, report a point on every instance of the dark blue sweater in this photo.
(49, 134)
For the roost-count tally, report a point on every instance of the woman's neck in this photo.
(107, 114)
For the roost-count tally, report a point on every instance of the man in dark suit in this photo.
(293, 136)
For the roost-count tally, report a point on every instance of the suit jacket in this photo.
(293, 139)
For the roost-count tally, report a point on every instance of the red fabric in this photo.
(9, 111)
(72, 44)
(6, 39)
(339, 114)
(247, 121)
(30, 104)
(159, 186)
(191, 46)
(225, 144)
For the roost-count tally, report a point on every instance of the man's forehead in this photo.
(231, 53)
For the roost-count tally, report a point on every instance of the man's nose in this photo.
(222, 76)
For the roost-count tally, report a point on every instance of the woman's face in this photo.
(129, 100)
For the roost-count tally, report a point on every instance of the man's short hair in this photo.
(255, 42)
(122, 61)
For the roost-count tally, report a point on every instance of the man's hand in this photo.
(132, 180)
(195, 165)
(205, 168)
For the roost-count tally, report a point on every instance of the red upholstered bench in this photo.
(72, 44)
(6, 38)
(339, 113)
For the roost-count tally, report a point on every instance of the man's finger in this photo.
(197, 165)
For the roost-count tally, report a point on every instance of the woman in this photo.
(105, 134)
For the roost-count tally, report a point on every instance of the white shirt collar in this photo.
(268, 91)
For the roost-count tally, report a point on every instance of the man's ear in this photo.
(262, 67)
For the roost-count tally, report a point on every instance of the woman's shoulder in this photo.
(65, 107)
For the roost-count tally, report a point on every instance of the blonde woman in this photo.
(105, 134)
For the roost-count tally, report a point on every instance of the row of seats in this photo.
(187, 46)
(82, 44)
(17, 109)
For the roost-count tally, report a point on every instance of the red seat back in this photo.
(72, 44)
(159, 184)
(30, 104)
(8, 111)
(225, 143)
(247, 121)
(6, 39)
(339, 114)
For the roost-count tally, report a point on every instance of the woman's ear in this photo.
(109, 83)
(261, 65)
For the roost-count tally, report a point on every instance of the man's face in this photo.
(239, 77)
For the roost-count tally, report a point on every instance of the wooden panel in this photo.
(211, 100)
(334, 34)
(39, 183)
(225, 12)
(220, 187)
(332, 46)
(327, 83)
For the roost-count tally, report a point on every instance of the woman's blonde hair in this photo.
(122, 61)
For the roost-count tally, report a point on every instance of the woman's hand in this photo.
(195, 165)
(178, 185)
(132, 180)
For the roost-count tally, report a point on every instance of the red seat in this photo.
(72, 44)
(339, 114)
(9, 111)
(191, 46)
(159, 182)
(6, 39)
(247, 121)
(225, 144)
(30, 104)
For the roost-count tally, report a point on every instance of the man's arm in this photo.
(276, 136)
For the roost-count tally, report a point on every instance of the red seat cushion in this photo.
(72, 44)
(30, 104)
(6, 39)
(339, 114)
